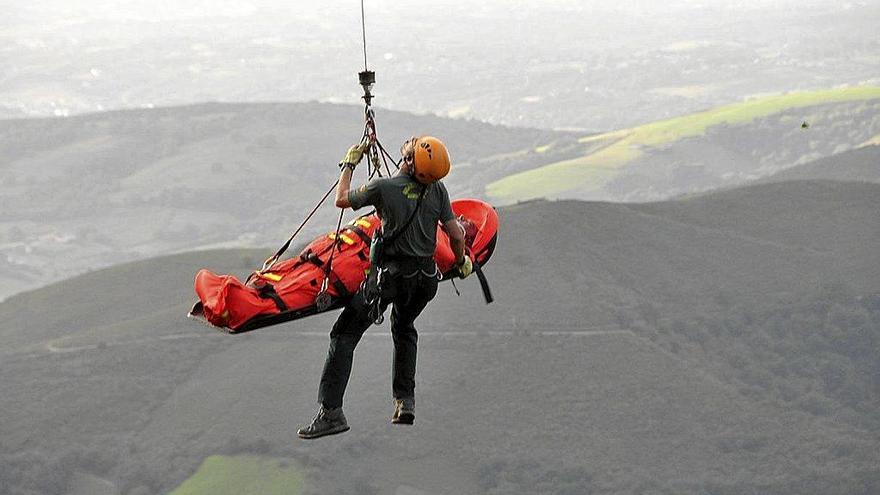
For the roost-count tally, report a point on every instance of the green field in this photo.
(874, 141)
(224, 475)
(608, 153)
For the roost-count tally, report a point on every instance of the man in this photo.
(410, 205)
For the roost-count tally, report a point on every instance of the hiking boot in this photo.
(404, 411)
(326, 422)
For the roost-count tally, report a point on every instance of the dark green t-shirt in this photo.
(395, 199)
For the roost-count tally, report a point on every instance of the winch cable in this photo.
(375, 153)
(364, 31)
(366, 79)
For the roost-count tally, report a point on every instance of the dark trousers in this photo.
(409, 296)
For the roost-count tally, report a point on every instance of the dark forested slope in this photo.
(725, 343)
(858, 165)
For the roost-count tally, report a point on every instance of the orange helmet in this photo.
(430, 159)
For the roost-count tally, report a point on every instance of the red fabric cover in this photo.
(227, 302)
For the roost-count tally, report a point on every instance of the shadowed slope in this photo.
(861, 165)
(134, 393)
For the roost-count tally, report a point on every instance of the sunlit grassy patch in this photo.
(609, 152)
(874, 141)
(224, 475)
(588, 173)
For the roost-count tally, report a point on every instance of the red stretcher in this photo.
(303, 286)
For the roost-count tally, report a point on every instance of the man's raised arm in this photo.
(351, 159)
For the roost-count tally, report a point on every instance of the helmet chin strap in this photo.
(407, 167)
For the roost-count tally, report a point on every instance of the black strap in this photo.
(360, 233)
(311, 257)
(267, 291)
(341, 289)
(484, 283)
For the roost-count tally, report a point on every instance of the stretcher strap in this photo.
(484, 283)
(341, 289)
(267, 291)
(360, 233)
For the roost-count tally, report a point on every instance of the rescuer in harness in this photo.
(402, 273)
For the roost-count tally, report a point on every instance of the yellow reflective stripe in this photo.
(346, 239)
(271, 276)
(363, 223)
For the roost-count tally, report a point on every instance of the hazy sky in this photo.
(514, 62)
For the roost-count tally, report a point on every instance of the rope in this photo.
(386, 154)
(274, 258)
(329, 269)
(387, 168)
(374, 152)
(377, 147)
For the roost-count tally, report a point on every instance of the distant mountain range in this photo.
(552, 64)
(89, 191)
(720, 343)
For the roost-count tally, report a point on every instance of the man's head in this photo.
(425, 158)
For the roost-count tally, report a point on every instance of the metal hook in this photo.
(367, 79)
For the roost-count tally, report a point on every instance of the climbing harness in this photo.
(372, 286)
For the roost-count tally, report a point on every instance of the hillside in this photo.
(723, 343)
(718, 147)
(860, 165)
(88, 191)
